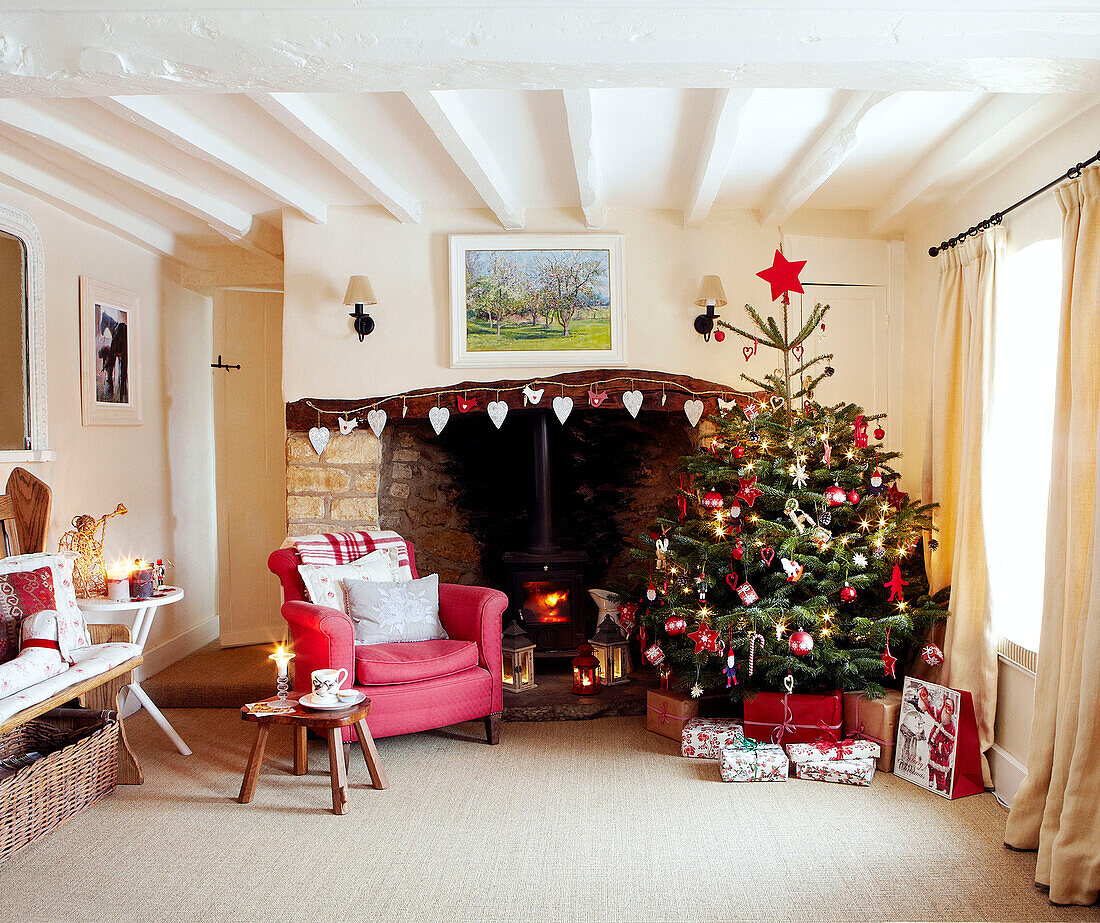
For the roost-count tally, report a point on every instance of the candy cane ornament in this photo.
(753, 638)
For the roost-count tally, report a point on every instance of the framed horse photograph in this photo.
(110, 383)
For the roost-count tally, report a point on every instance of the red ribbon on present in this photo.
(830, 739)
(787, 727)
(858, 734)
(662, 712)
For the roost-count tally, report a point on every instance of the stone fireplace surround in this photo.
(402, 482)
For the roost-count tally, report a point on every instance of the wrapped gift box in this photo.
(858, 771)
(875, 720)
(753, 762)
(821, 750)
(668, 711)
(811, 715)
(704, 738)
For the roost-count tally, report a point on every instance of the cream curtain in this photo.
(1057, 809)
(962, 367)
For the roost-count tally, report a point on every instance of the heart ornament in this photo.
(595, 398)
(563, 406)
(776, 401)
(438, 417)
(767, 555)
(346, 426)
(693, 410)
(632, 401)
(532, 395)
(731, 579)
(376, 420)
(797, 350)
(498, 410)
(318, 438)
(748, 351)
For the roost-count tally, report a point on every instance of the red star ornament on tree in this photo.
(749, 491)
(895, 497)
(889, 661)
(782, 275)
(705, 638)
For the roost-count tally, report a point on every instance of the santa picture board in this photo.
(937, 746)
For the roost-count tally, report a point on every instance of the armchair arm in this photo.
(473, 613)
(323, 639)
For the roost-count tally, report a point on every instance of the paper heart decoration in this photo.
(731, 579)
(788, 683)
(725, 406)
(438, 417)
(465, 406)
(693, 410)
(376, 420)
(748, 351)
(498, 410)
(767, 555)
(776, 401)
(346, 426)
(632, 401)
(531, 395)
(595, 399)
(563, 406)
(797, 350)
(318, 438)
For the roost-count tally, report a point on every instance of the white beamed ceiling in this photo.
(198, 120)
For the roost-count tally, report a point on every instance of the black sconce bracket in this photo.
(704, 323)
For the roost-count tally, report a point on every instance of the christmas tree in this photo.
(791, 554)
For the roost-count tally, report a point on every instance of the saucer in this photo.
(308, 702)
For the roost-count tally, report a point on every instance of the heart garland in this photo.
(497, 410)
(632, 401)
(376, 420)
(346, 426)
(532, 395)
(318, 438)
(438, 417)
(465, 406)
(693, 410)
(595, 398)
(563, 406)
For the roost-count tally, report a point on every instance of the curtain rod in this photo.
(997, 217)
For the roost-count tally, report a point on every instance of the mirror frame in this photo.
(20, 224)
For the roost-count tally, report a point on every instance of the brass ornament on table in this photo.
(89, 571)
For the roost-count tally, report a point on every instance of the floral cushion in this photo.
(22, 594)
(399, 611)
(324, 583)
(72, 631)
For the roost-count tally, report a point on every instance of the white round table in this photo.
(100, 610)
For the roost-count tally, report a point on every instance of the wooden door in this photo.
(250, 441)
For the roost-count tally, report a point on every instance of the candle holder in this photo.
(282, 658)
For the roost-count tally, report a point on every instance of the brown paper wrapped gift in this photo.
(667, 711)
(874, 719)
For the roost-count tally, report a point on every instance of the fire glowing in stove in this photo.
(546, 602)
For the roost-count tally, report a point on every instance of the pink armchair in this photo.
(415, 685)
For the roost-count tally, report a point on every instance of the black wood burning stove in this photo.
(545, 583)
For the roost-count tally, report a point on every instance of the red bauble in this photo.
(738, 451)
(853, 498)
(719, 335)
(675, 625)
(712, 500)
(738, 550)
(801, 643)
(835, 495)
(931, 654)
(847, 593)
(880, 433)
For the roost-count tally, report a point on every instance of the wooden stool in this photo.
(328, 723)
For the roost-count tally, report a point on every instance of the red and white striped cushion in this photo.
(348, 547)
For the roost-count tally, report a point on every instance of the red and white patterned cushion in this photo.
(72, 631)
(22, 595)
(345, 547)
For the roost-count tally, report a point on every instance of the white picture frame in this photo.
(110, 368)
(512, 270)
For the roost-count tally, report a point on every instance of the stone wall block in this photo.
(317, 479)
(360, 447)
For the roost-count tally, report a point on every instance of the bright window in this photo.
(1016, 462)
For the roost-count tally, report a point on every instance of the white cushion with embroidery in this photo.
(72, 630)
(400, 611)
(324, 583)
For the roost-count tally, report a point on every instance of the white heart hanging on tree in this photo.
(693, 410)
(346, 426)
(318, 438)
(563, 406)
(632, 401)
(531, 395)
(498, 410)
(376, 420)
(438, 417)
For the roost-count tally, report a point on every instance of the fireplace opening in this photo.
(545, 601)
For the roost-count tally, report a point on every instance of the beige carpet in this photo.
(215, 677)
(589, 820)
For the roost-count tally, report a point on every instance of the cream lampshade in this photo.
(360, 293)
(710, 292)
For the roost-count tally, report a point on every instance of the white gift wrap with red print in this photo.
(833, 750)
(764, 763)
(704, 738)
(848, 772)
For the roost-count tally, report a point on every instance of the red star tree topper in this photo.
(782, 275)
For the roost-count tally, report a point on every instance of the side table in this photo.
(144, 612)
(328, 723)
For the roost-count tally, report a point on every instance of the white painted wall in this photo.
(1038, 220)
(163, 469)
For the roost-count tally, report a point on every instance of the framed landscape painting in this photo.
(547, 300)
(109, 382)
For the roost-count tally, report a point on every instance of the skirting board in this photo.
(167, 652)
(1007, 771)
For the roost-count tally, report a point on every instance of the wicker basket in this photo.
(39, 797)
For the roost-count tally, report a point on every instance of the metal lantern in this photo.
(519, 659)
(612, 650)
(586, 671)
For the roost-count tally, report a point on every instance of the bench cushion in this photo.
(412, 661)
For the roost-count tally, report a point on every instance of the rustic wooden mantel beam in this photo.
(661, 391)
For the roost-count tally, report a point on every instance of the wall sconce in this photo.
(360, 293)
(711, 295)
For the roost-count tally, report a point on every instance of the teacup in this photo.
(326, 685)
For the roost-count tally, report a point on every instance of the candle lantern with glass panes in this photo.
(586, 671)
(612, 650)
(518, 653)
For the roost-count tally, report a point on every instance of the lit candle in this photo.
(118, 584)
(282, 658)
